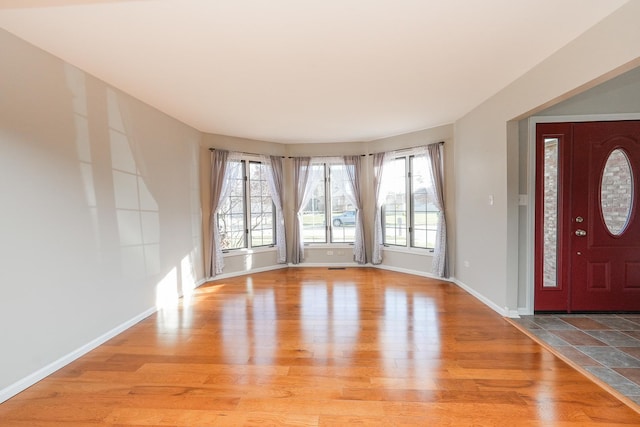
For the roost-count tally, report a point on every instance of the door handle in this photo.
(580, 232)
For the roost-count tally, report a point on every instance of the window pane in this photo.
(616, 192)
(550, 216)
(343, 213)
(231, 217)
(261, 209)
(313, 214)
(424, 212)
(394, 209)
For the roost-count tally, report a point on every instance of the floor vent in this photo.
(337, 268)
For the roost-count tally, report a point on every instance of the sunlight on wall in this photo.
(179, 282)
(137, 211)
(248, 261)
(188, 281)
(76, 84)
(167, 290)
(122, 196)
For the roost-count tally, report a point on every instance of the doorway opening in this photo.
(587, 236)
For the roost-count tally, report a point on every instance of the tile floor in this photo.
(605, 345)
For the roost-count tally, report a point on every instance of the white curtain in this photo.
(378, 166)
(301, 172)
(276, 188)
(218, 169)
(353, 166)
(225, 168)
(440, 260)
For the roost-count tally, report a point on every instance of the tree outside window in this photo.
(248, 203)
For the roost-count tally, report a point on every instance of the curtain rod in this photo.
(316, 157)
(244, 152)
(290, 157)
(362, 155)
(400, 150)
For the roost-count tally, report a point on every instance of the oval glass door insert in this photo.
(616, 192)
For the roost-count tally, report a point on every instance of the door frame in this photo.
(529, 199)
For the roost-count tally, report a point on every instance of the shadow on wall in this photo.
(131, 186)
(101, 214)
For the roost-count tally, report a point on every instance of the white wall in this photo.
(485, 236)
(100, 209)
(620, 95)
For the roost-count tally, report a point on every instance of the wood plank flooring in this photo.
(319, 347)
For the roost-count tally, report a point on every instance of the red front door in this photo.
(587, 233)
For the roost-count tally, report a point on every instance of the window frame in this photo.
(325, 182)
(247, 212)
(383, 209)
(329, 233)
(248, 205)
(410, 210)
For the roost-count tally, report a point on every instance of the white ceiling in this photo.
(305, 70)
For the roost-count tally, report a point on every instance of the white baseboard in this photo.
(408, 271)
(42, 373)
(503, 311)
(331, 265)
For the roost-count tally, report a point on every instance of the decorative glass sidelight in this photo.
(550, 216)
(616, 192)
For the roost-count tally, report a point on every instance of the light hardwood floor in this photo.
(319, 347)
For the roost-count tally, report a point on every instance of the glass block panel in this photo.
(550, 217)
(616, 192)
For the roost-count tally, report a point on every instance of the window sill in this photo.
(412, 251)
(244, 252)
(328, 245)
